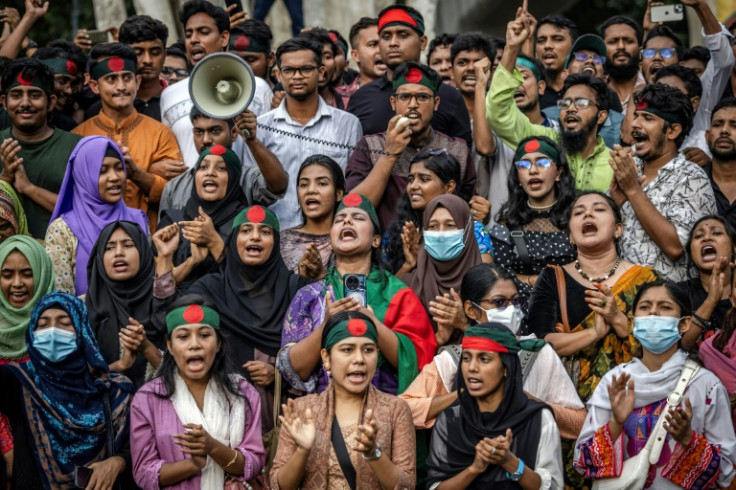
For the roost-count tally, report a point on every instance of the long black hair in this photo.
(515, 212)
(221, 368)
(446, 167)
(729, 231)
(338, 177)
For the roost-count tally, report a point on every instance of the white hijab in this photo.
(223, 419)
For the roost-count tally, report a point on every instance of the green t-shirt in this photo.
(45, 164)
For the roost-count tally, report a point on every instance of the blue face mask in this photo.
(656, 333)
(444, 245)
(55, 344)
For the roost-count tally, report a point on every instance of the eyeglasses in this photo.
(580, 103)
(305, 71)
(543, 163)
(582, 58)
(650, 53)
(421, 98)
(500, 302)
(180, 72)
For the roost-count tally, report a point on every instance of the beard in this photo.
(622, 72)
(551, 73)
(722, 155)
(573, 141)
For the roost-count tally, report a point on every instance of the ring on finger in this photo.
(603, 303)
(493, 450)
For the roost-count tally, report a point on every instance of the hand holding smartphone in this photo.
(667, 13)
(355, 287)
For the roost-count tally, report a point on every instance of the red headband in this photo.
(397, 15)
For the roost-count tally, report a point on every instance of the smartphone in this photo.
(82, 475)
(354, 287)
(668, 13)
(238, 5)
(98, 36)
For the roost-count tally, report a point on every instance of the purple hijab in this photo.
(80, 205)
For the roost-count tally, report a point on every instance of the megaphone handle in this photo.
(246, 134)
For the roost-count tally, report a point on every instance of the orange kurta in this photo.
(149, 141)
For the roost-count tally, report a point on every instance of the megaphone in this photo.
(222, 85)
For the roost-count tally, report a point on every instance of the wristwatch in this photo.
(377, 453)
(519, 471)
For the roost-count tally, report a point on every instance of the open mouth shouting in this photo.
(709, 253)
(589, 228)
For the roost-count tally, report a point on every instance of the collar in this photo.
(323, 110)
(126, 123)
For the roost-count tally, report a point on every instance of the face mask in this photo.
(444, 245)
(509, 316)
(656, 333)
(55, 344)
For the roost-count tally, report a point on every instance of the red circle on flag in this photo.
(641, 106)
(532, 146)
(357, 327)
(333, 36)
(241, 43)
(193, 314)
(352, 200)
(116, 63)
(414, 75)
(71, 67)
(24, 80)
(218, 150)
(256, 214)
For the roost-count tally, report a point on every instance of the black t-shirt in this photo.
(372, 105)
(725, 208)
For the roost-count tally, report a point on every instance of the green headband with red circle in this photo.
(480, 337)
(537, 146)
(25, 80)
(418, 76)
(354, 200)
(257, 215)
(354, 327)
(61, 66)
(399, 16)
(113, 64)
(192, 315)
(228, 155)
(246, 43)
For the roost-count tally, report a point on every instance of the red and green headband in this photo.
(353, 200)
(667, 116)
(418, 76)
(485, 338)
(246, 43)
(258, 215)
(537, 146)
(192, 315)
(354, 327)
(113, 64)
(26, 80)
(61, 66)
(226, 154)
(402, 17)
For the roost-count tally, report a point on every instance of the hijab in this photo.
(65, 401)
(252, 300)
(14, 321)
(111, 302)
(433, 278)
(80, 205)
(516, 412)
(11, 209)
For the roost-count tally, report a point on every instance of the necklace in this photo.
(597, 279)
(540, 208)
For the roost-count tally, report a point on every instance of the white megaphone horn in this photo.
(222, 85)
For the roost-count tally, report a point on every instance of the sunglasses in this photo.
(580, 103)
(650, 53)
(582, 58)
(543, 163)
(180, 72)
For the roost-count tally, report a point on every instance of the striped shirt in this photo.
(328, 124)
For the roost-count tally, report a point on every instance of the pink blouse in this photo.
(153, 422)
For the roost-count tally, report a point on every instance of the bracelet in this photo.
(232, 461)
(698, 323)
(704, 324)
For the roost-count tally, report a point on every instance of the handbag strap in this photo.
(341, 451)
(562, 297)
(658, 435)
(517, 234)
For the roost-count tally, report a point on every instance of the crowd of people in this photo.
(511, 266)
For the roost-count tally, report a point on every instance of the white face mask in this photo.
(509, 316)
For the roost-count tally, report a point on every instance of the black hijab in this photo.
(468, 425)
(110, 302)
(252, 300)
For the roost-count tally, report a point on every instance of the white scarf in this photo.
(223, 419)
